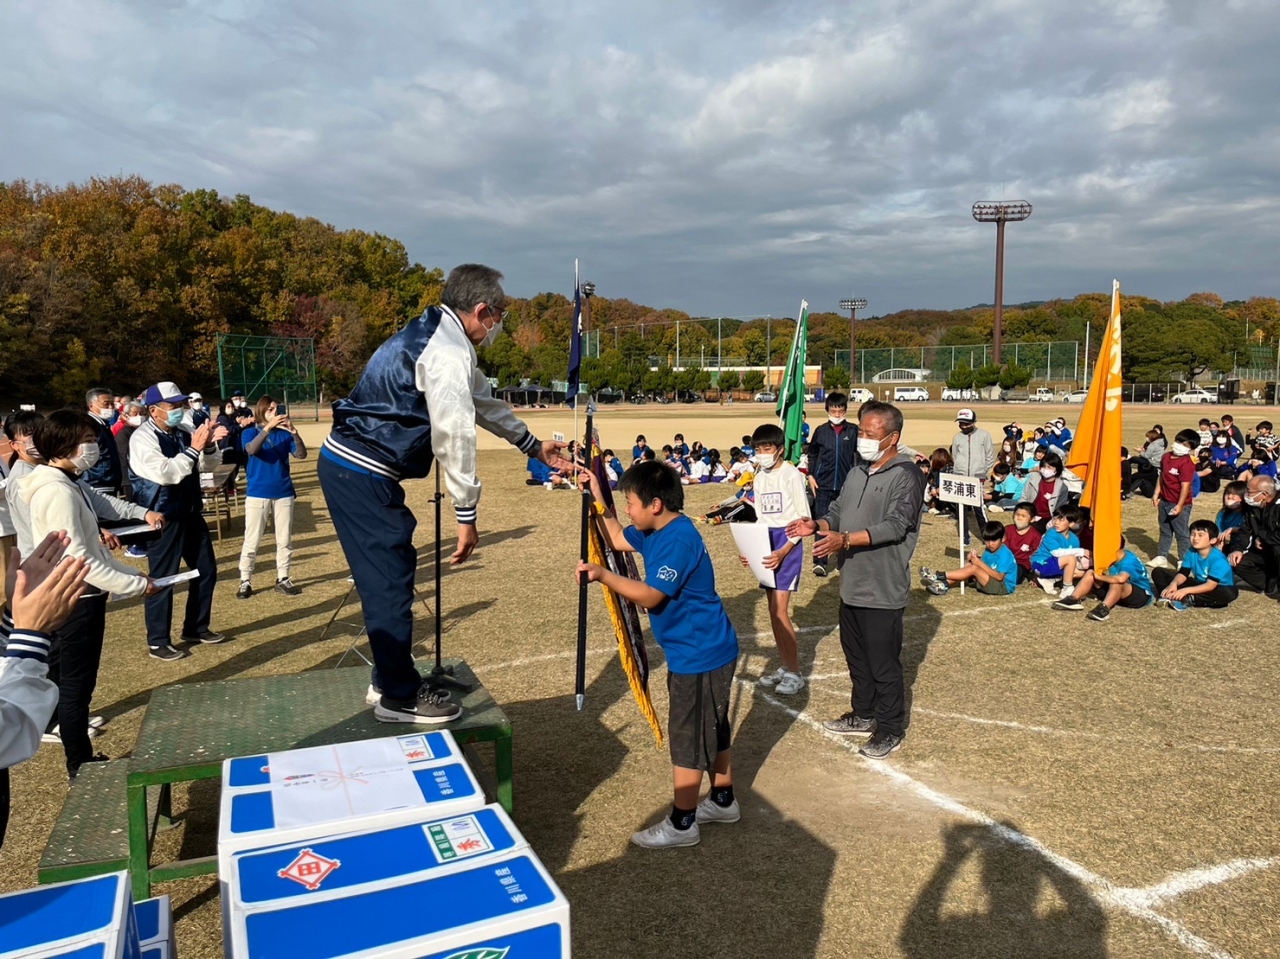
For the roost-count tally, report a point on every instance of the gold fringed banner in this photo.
(625, 619)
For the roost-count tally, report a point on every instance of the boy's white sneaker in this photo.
(1047, 585)
(710, 812)
(789, 684)
(663, 835)
(769, 680)
(1066, 591)
(1159, 562)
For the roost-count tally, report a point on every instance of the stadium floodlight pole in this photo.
(853, 305)
(1000, 212)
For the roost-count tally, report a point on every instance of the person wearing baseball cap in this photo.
(164, 470)
(972, 454)
(199, 413)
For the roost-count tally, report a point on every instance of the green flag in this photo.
(791, 396)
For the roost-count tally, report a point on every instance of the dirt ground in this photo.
(1067, 788)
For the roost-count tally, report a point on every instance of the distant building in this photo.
(902, 375)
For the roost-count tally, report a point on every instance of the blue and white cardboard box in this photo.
(306, 793)
(84, 919)
(492, 905)
(154, 918)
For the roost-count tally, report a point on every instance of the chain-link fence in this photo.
(283, 367)
(1057, 361)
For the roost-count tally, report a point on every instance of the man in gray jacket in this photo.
(972, 454)
(873, 526)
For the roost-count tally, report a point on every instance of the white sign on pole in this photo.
(966, 490)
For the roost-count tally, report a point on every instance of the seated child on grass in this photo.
(1023, 539)
(1231, 516)
(540, 474)
(1006, 490)
(689, 622)
(994, 570)
(1205, 577)
(1125, 583)
(1055, 559)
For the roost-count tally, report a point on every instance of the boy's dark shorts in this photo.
(1138, 597)
(698, 723)
(993, 587)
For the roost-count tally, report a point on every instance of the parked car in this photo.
(1195, 395)
(1075, 396)
(1042, 395)
(910, 394)
(860, 395)
(766, 397)
(950, 393)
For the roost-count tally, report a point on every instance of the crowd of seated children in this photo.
(1125, 583)
(1204, 577)
(992, 570)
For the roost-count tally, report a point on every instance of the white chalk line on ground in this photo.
(814, 682)
(1181, 883)
(1105, 891)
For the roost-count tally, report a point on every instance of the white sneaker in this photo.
(55, 735)
(663, 835)
(993, 508)
(772, 679)
(1047, 585)
(791, 683)
(373, 695)
(97, 722)
(1066, 591)
(710, 812)
(1159, 563)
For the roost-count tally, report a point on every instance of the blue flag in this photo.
(575, 346)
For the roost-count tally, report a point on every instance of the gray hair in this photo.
(133, 406)
(1265, 484)
(93, 394)
(888, 415)
(470, 285)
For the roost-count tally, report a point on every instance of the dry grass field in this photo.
(1067, 788)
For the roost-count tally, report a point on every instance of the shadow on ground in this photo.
(1023, 906)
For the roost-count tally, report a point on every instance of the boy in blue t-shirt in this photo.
(1125, 583)
(993, 571)
(1205, 577)
(1056, 557)
(690, 624)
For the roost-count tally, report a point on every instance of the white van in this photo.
(860, 395)
(910, 394)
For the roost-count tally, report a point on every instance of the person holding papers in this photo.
(780, 500)
(67, 441)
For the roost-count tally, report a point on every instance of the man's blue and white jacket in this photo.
(419, 399)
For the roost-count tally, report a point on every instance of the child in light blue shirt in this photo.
(993, 571)
(1125, 583)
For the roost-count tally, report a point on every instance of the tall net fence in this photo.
(1057, 361)
(283, 367)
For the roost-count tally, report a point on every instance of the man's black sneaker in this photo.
(1100, 613)
(245, 590)
(819, 570)
(206, 636)
(286, 586)
(167, 652)
(850, 725)
(431, 707)
(1070, 603)
(881, 745)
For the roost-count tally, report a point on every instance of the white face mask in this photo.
(1021, 524)
(836, 420)
(86, 456)
(1222, 441)
(1251, 500)
(1180, 449)
(134, 420)
(1048, 473)
(869, 449)
(766, 460)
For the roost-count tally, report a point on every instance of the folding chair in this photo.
(356, 641)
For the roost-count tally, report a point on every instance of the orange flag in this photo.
(1095, 451)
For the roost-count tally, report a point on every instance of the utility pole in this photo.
(853, 305)
(1000, 212)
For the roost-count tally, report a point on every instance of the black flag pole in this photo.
(441, 676)
(580, 679)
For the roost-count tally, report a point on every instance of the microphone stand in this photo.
(441, 676)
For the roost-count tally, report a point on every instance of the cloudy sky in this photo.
(719, 157)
